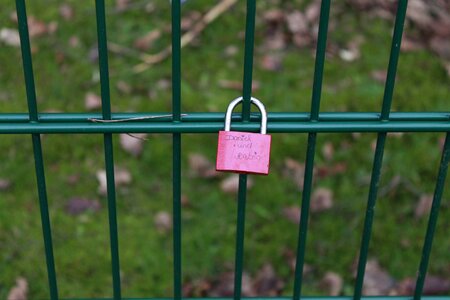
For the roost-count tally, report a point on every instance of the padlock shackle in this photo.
(255, 101)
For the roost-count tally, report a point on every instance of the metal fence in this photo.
(314, 122)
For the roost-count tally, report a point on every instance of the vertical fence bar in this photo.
(310, 153)
(108, 145)
(248, 58)
(240, 232)
(379, 150)
(432, 221)
(242, 190)
(176, 144)
(37, 147)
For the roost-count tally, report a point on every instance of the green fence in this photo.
(177, 124)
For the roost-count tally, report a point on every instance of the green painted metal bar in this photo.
(219, 117)
(393, 60)
(311, 148)
(176, 151)
(242, 191)
(240, 232)
(285, 298)
(320, 58)
(379, 149)
(376, 171)
(45, 217)
(108, 146)
(248, 58)
(27, 59)
(37, 147)
(214, 127)
(303, 227)
(432, 221)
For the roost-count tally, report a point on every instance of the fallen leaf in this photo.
(321, 200)
(163, 84)
(231, 51)
(312, 11)
(267, 283)
(447, 67)
(74, 41)
(190, 20)
(331, 170)
(163, 221)
(328, 151)
(123, 87)
(93, 53)
(297, 22)
(275, 41)
(132, 144)
(396, 134)
(410, 44)
(291, 259)
(379, 75)
(271, 62)
(146, 42)
(352, 52)
(237, 85)
(4, 184)
(274, 15)
(36, 27)
(13, 17)
(417, 13)
(121, 177)
(92, 101)
(423, 206)
(73, 179)
(198, 288)
(377, 281)
(302, 40)
(230, 184)
(184, 200)
(294, 171)
(66, 11)
(76, 206)
(202, 167)
(349, 54)
(10, 37)
(292, 213)
(433, 285)
(223, 286)
(19, 291)
(332, 283)
(122, 5)
(441, 46)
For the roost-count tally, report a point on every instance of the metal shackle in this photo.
(255, 101)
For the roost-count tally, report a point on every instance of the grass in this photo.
(65, 74)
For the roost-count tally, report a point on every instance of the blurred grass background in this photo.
(65, 72)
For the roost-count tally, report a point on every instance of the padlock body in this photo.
(243, 152)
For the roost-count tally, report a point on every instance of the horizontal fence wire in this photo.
(236, 117)
(108, 147)
(284, 298)
(37, 147)
(214, 127)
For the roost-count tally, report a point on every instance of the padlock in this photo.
(244, 152)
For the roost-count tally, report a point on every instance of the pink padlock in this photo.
(244, 152)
